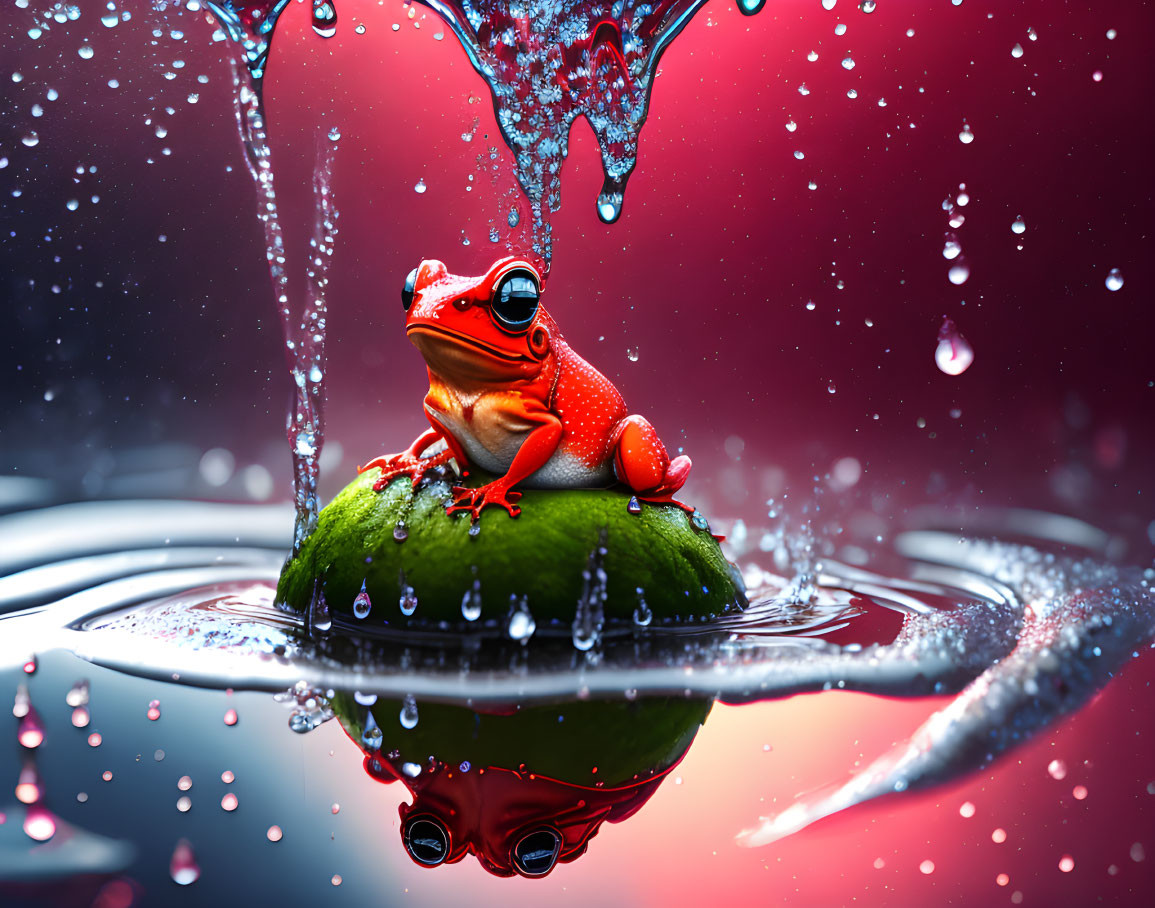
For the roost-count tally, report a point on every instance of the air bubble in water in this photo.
(1114, 279)
(408, 715)
(953, 355)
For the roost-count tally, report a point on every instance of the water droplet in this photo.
(407, 600)
(335, 809)
(1114, 279)
(360, 29)
(39, 824)
(643, 615)
(372, 736)
(999, 836)
(400, 533)
(1079, 792)
(31, 731)
(28, 787)
(959, 272)
(812, 56)
(848, 62)
(107, 775)
(1111, 34)
(184, 803)
(77, 694)
(926, 867)
(1097, 75)
(1057, 769)
(867, 6)
(153, 710)
(1032, 35)
(831, 388)
(1066, 863)
(966, 136)
(967, 810)
(362, 604)
(231, 717)
(184, 783)
(609, 206)
(85, 51)
(1018, 225)
(229, 802)
(953, 355)
(408, 715)
(791, 126)
(183, 867)
(519, 624)
(828, 4)
(798, 155)
(698, 519)
(80, 717)
(471, 602)
(31, 140)
(514, 216)
(94, 739)
(475, 529)
(1017, 51)
(951, 248)
(334, 134)
(324, 18)
(336, 879)
(274, 834)
(420, 187)
(632, 354)
(634, 506)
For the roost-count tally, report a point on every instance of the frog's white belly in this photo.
(493, 437)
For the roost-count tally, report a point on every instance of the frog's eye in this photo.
(515, 301)
(426, 840)
(407, 290)
(536, 853)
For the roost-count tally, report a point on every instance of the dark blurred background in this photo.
(139, 332)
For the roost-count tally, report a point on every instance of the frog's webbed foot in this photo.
(405, 464)
(472, 501)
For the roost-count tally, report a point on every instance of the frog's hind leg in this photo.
(641, 462)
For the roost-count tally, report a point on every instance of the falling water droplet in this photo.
(471, 602)
(28, 788)
(334, 134)
(1057, 769)
(408, 715)
(419, 187)
(231, 717)
(407, 600)
(229, 802)
(632, 354)
(1017, 50)
(31, 140)
(153, 710)
(867, 6)
(324, 18)
(31, 731)
(360, 29)
(643, 615)
(184, 783)
(951, 248)
(953, 355)
(372, 736)
(832, 388)
(80, 717)
(848, 62)
(1018, 225)
(85, 52)
(959, 272)
(1114, 279)
(514, 217)
(609, 207)
(362, 604)
(966, 136)
(77, 694)
(183, 866)
(520, 623)
(22, 703)
(274, 833)
(39, 824)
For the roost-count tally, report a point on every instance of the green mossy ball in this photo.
(540, 555)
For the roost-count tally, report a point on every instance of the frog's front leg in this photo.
(641, 462)
(410, 462)
(533, 454)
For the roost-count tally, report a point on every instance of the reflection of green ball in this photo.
(541, 555)
(564, 742)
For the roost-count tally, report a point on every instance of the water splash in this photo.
(550, 62)
(250, 26)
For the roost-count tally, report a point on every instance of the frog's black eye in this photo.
(515, 301)
(536, 853)
(427, 841)
(407, 290)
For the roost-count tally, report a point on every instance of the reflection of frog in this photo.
(522, 791)
(509, 395)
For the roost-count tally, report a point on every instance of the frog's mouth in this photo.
(452, 354)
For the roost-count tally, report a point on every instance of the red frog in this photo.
(509, 395)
